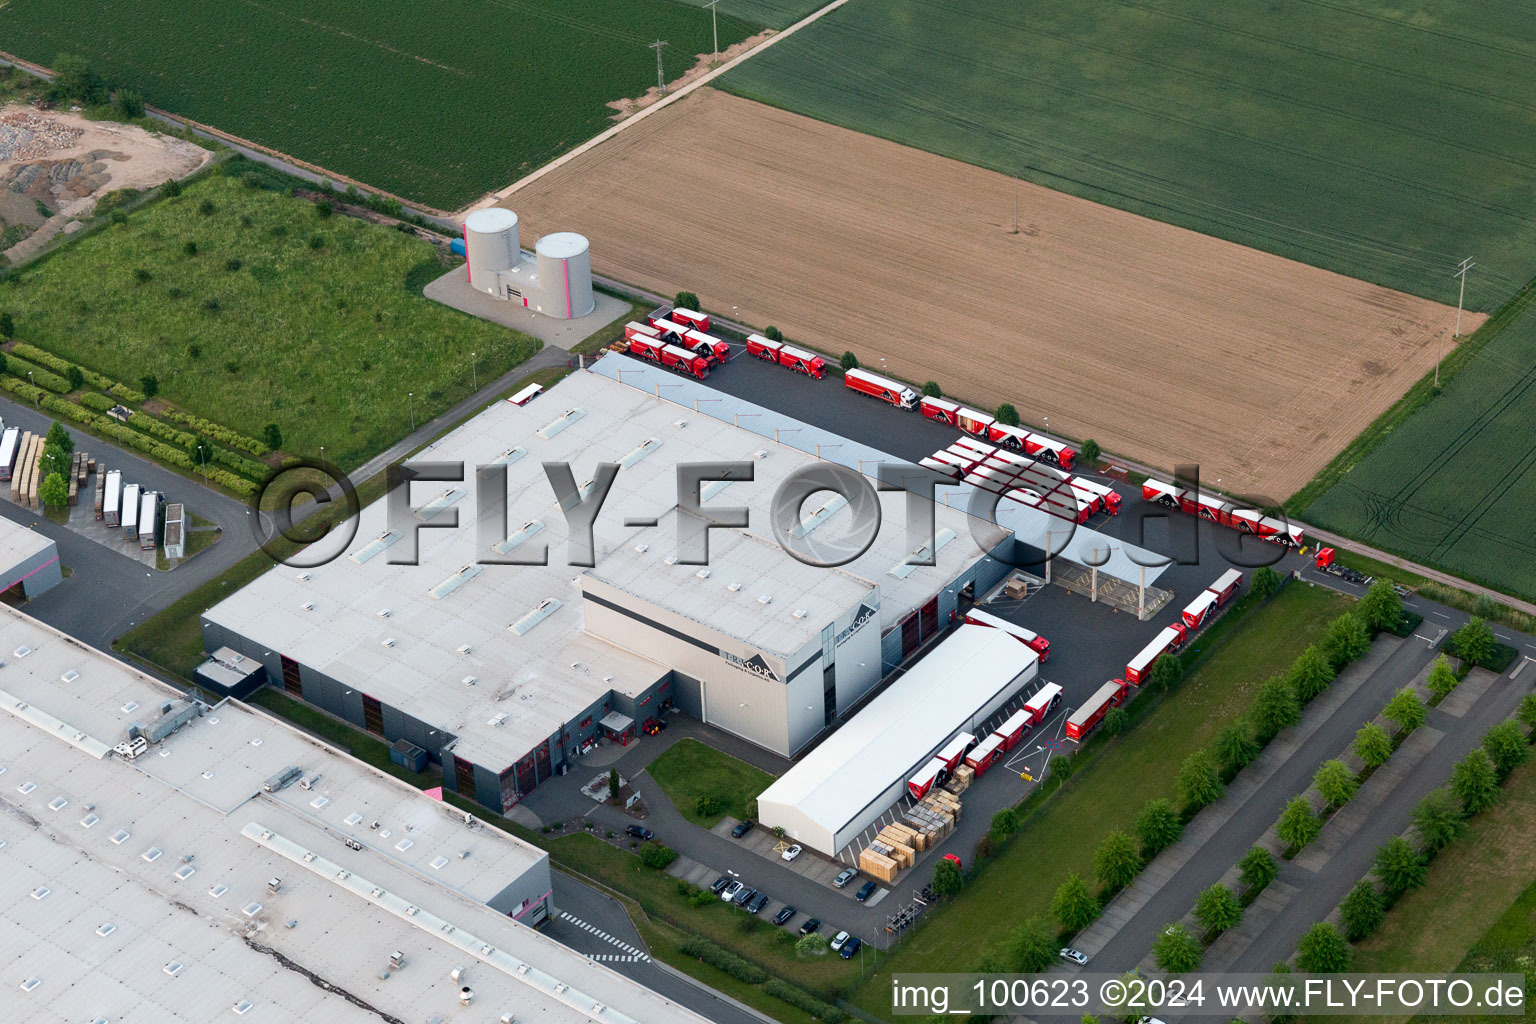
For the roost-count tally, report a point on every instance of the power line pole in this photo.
(714, 23)
(1461, 272)
(661, 78)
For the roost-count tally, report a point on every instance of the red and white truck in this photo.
(883, 388)
(985, 754)
(1166, 642)
(634, 329)
(973, 422)
(707, 345)
(1109, 498)
(1212, 598)
(1160, 493)
(694, 319)
(939, 409)
(1093, 710)
(1016, 727)
(1034, 641)
(797, 359)
(919, 784)
(1195, 612)
(954, 750)
(1219, 510)
(1226, 586)
(673, 357)
(1042, 703)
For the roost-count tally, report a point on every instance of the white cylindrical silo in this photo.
(490, 245)
(565, 275)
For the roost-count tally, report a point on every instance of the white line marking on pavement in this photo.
(1441, 614)
(635, 954)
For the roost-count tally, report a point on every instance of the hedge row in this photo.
(147, 424)
(52, 381)
(94, 379)
(97, 401)
(221, 434)
(724, 960)
(803, 1000)
(249, 468)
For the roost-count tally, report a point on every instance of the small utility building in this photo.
(834, 793)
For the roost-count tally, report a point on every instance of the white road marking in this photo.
(1441, 614)
(633, 953)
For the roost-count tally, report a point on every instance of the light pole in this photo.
(37, 401)
(715, 24)
(410, 401)
(203, 457)
(1461, 272)
(474, 372)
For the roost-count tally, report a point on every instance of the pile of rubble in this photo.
(26, 136)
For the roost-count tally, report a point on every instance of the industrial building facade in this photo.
(505, 675)
(29, 562)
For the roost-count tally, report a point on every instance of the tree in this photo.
(75, 376)
(613, 784)
(1166, 672)
(1265, 582)
(129, 103)
(58, 437)
(1346, 639)
(1299, 823)
(947, 880)
(655, 855)
(1258, 868)
(1274, 708)
(688, 300)
(1090, 452)
(1032, 948)
(1405, 710)
(1372, 745)
(1199, 781)
(1323, 950)
(1116, 721)
(7, 325)
(1004, 823)
(1158, 825)
(1176, 951)
(1235, 747)
(931, 389)
(1311, 673)
(1441, 679)
(1526, 714)
(1507, 747)
(54, 492)
(1475, 781)
(1381, 608)
(1474, 643)
(1362, 910)
(1335, 782)
(1439, 821)
(810, 945)
(272, 436)
(1400, 867)
(150, 385)
(706, 805)
(850, 361)
(1007, 415)
(772, 333)
(1074, 905)
(1217, 909)
(1116, 861)
(74, 78)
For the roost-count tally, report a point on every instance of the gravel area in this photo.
(26, 136)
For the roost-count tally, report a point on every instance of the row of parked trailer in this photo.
(1022, 479)
(677, 339)
(1223, 512)
(983, 755)
(130, 507)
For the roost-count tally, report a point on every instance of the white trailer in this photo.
(130, 522)
(112, 506)
(149, 505)
(9, 444)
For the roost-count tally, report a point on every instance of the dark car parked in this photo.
(865, 892)
(850, 947)
(640, 832)
(757, 905)
(810, 926)
(745, 895)
(719, 885)
(784, 915)
(741, 829)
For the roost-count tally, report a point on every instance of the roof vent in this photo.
(798, 613)
(26, 788)
(733, 587)
(251, 909)
(185, 872)
(22, 651)
(41, 892)
(308, 606)
(58, 803)
(641, 549)
(702, 574)
(384, 613)
(389, 642)
(765, 599)
(242, 1007)
(30, 984)
(119, 837)
(173, 968)
(465, 648)
(70, 676)
(218, 890)
(90, 820)
(106, 929)
(439, 863)
(304, 577)
(152, 854)
(471, 680)
(130, 707)
(497, 719)
(670, 559)
(761, 453)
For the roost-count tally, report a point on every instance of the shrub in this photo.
(931, 389)
(98, 402)
(272, 437)
(54, 492)
(688, 300)
(150, 385)
(1090, 452)
(772, 333)
(1007, 415)
(1527, 712)
(1345, 639)
(1362, 910)
(1176, 951)
(1310, 673)
(1473, 643)
(75, 78)
(1117, 721)
(1372, 745)
(1441, 679)
(221, 434)
(809, 945)
(233, 263)
(7, 325)
(705, 805)
(317, 241)
(61, 366)
(802, 1000)
(172, 187)
(1004, 823)
(168, 434)
(189, 247)
(947, 880)
(1323, 950)
(723, 960)
(1167, 672)
(41, 377)
(76, 378)
(1381, 608)
(656, 855)
(324, 209)
(1032, 948)
(850, 361)
(1299, 823)
(1265, 582)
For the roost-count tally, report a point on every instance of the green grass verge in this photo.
(690, 771)
(1382, 143)
(325, 342)
(1060, 834)
(1452, 597)
(361, 745)
(437, 102)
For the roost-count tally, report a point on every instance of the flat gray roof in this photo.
(17, 544)
(114, 872)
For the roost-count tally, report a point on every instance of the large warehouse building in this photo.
(225, 866)
(506, 674)
(860, 771)
(29, 562)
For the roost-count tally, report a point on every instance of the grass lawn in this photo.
(689, 770)
(259, 326)
(1060, 837)
(1477, 911)
(1385, 142)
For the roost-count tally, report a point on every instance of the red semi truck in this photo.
(1042, 703)
(1219, 510)
(1169, 640)
(1226, 586)
(919, 784)
(696, 320)
(954, 750)
(883, 388)
(673, 357)
(1018, 725)
(707, 345)
(1092, 712)
(1109, 498)
(1034, 641)
(1212, 598)
(985, 754)
(797, 359)
(1195, 612)
(939, 409)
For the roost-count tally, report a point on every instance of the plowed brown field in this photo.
(1164, 345)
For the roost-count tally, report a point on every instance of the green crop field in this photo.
(279, 316)
(435, 101)
(1386, 142)
(1454, 485)
(771, 13)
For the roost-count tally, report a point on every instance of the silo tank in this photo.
(565, 274)
(491, 245)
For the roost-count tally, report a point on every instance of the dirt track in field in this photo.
(1163, 345)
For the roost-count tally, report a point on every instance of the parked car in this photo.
(719, 884)
(838, 940)
(844, 877)
(744, 897)
(640, 832)
(784, 915)
(850, 947)
(810, 926)
(791, 853)
(1148, 1020)
(758, 903)
(741, 829)
(865, 892)
(954, 860)
(730, 892)
(1076, 957)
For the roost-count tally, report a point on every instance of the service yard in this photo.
(1161, 344)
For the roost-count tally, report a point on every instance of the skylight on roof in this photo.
(375, 546)
(457, 580)
(922, 554)
(565, 419)
(519, 536)
(437, 504)
(541, 611)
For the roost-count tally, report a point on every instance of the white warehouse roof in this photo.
(857, 765)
